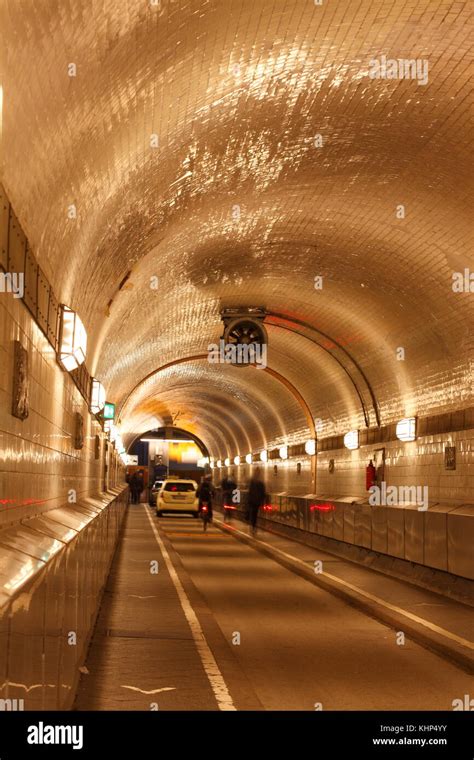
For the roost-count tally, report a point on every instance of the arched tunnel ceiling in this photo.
(238, 207)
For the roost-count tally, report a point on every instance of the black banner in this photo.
(374, 734)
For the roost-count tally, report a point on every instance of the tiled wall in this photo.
(419, 462)
(38, 462)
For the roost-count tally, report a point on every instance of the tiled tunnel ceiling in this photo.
(241, 205)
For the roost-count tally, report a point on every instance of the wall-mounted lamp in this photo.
(97, 396)
(264, 455)
(248, 458)
(237, 460)
(310, 447)
(283, 452)
(72, 340)
(351, 439)
(406, 429)
(227, 461)
(219, 463)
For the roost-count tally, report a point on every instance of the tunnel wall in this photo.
(439, 539)
(40, 468)
(54, 568)
(420, 462)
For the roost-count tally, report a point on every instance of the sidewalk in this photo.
(155, 640)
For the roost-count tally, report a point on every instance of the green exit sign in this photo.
(109, 411)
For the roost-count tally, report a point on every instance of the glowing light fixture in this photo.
(351, 439)
(211, 464)
(97, 396)
(264, 455)
(219, 463)
(310, 447)
(72, 341)
(227, 461)
(237, 460)
(109, 411)
(283, 452)
(406, 429)
(248, 458)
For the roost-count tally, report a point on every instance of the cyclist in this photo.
(206, 493)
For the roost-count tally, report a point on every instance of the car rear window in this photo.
(179, 487)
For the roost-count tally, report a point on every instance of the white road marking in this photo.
(137, 596)
(372, 597)
(152, 691)
(215, 677)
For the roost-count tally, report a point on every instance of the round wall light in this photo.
(248, 458)
(283, 452)
(406, 429)
(310, 447)
(219, 463)
(264, 455)
(351, 439)
(237, 460)
(227, 461)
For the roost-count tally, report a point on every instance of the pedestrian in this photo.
(255, 499)
(140, 485)
(133, 483)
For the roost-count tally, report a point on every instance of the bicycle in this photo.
(205, 516)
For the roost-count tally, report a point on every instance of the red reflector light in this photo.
(227, 506)
(322, 507)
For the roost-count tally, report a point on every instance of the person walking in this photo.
(256, 499)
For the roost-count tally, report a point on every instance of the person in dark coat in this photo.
(255, 499)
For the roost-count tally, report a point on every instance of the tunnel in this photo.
(236, 278)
